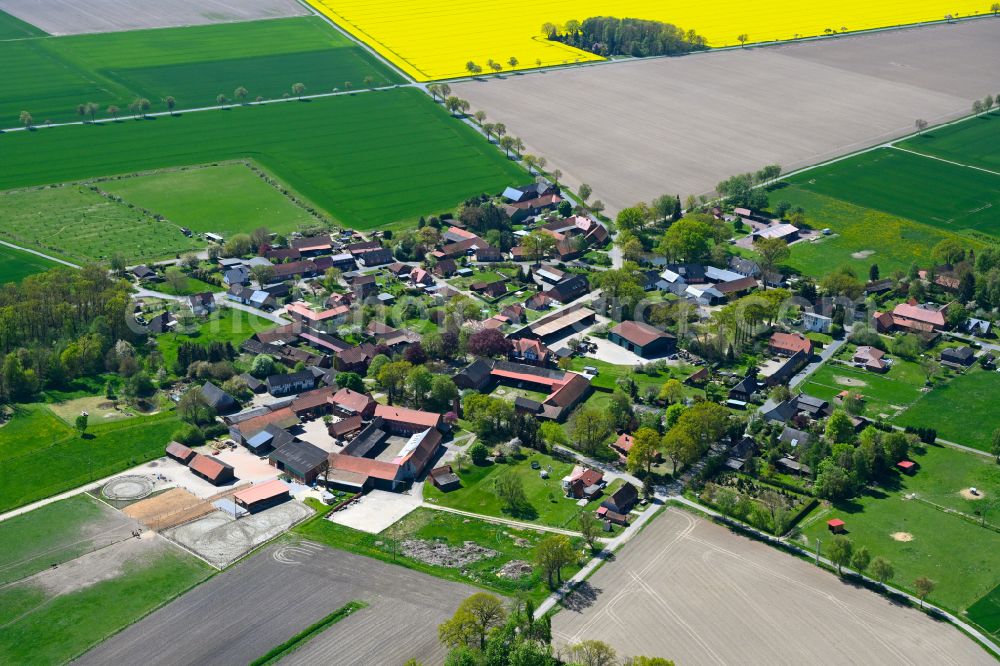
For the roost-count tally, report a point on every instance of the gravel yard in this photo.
(689, 590)
(634, 130)
(71, 17)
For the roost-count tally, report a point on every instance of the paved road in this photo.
(827, 353)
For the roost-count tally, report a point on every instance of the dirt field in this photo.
(70, 17)
(242, 613)
(220, 539)
(635, 130)
(692, 591)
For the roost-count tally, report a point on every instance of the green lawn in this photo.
(228, 199)
(546, 503)
(888, 394)
(975, 142)
(223, 325)
(861, 236)
(609, 374)
(369, 159)
(961, 557)
(12, 27)
(42, 628)
(49, 77)
(15, 265)
(52, 534)
(191, 286)
(78, 224)
(913, 187)
(963, 411)
(454, 530)
(41, 456)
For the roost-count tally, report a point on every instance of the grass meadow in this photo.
(223, 325)
(885, 395)
(49, 77)
(434, 40)
(77, 224)
(227, 199)
(42, 455)
(15, 265)
(975, 142)
(954, 551)
(370, 159)
(12, 27)
(963, 411)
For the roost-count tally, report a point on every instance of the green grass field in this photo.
(427, 524)
(975, 142)
(963, 411)
(369, 159)
(223, 325)
(862, 236)
(40, 627)
(959, 555)
(80, 225)
(41, 455)
(547, 504)
(888, 394)
(15, 265)
(12, 27)
(912, 186)
(50, 77)
(228, 199)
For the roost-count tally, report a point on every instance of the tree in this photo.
(510, 489)
(680, 446)
(538, 244)
(839, 428)
(513, 62)
(977, 108)
(472, 68)
(480, 117)
(593, 653)
(176, 279)
(418, 384)
(489, 343)
(478, 453)
(392, 377)
(26, 119)
(351, 381)
(644, 451)
(368, 81)
(262, 274)
(687, 239)
(222, 101)
(552, 554)
(262, 366)
(298, 89)
(113, 111)
(473, 620)
(840, 552)
(995, 8)
(648, 661)
(585, 191)
(88, 109)
(742, 39)
(443, 392)
(882, 570)
(589, 426)
(672, 392)
(193, 407)
(923, 586)
(771, 251)
(590, 528)
(930, 368)
(861, 559)
(81, 423)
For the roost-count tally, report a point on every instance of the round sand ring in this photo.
(128, 488)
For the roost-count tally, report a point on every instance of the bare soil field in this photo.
(70, 17)
(689, 590)
(637, 129)
(244, 612)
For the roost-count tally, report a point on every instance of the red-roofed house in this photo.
(871, 358)
(788, 344)
(643, 339)
(302, 312)
(532, 352)
(583, 482)
(262, 495)
(908, 316)
(408, 421)
(351, 402)
(211, 469)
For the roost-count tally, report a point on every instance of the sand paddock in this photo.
(905, 537)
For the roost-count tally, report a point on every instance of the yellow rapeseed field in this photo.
(433, 39)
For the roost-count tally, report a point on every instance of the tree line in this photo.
(610, 36)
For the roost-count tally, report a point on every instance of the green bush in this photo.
(189, 435)
(478, 452)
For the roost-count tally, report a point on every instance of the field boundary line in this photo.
(501, 521)
(40, 254)
(941, 159)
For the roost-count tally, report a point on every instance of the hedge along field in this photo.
(242, 201)
(79, 225)
(12, 27)
(16, 265)
(434, 39)
(369, 159)
(917, 187)
(50, 76)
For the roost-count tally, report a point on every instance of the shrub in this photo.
(478, 452)
(189, 435)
